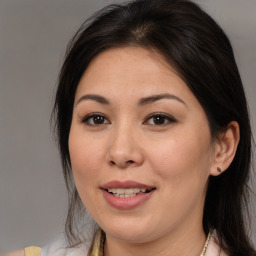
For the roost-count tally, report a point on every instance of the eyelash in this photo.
(89, 117)
(166, 118)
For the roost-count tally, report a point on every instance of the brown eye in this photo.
(95, 119)
(159, 120)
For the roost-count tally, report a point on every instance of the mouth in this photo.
(126, 195)
(126, 189)
(128, 192)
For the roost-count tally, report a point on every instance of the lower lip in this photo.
(126, 203)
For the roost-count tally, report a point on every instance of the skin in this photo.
(176, 156)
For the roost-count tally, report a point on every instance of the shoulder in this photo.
(28, 251)
(59, 248)
(16, 253)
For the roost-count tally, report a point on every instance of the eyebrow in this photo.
(94, 97)
(143, 101)
(154, 98)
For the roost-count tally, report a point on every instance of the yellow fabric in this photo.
(98, 244)
(33, 251)
(96, 250)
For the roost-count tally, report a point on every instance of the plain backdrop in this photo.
(33, 37)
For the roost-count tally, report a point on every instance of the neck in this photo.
(190, 243)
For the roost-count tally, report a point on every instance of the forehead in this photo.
(151, 59)
(130, 68)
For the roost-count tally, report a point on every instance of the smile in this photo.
(127, 192)
(125, 195)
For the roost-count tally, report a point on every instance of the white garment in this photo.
(213, 249)
(58, 249)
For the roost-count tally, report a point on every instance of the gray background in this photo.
(33, 37)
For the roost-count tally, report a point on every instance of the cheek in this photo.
(86, 157)
(182, 166)
(180, 154)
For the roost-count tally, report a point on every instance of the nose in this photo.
(124, 149)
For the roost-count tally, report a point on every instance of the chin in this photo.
(129, 232)
(130, 237)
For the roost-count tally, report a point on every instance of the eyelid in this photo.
(91, 115)
(168, 117)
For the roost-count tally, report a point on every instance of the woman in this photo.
(154, 134)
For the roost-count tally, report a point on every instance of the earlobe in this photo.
(219, 169)
(225, 148)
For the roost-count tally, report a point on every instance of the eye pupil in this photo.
(159, 120)
(98, 119)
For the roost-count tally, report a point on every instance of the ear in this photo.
(225, 148)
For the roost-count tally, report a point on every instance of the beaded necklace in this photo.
(206, 244)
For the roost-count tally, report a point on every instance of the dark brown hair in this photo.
(198, 49)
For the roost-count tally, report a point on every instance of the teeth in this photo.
(126, 192)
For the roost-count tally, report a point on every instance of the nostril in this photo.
(123, 164)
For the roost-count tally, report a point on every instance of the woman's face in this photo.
(140, 146)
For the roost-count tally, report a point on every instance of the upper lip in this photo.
(125, 184)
